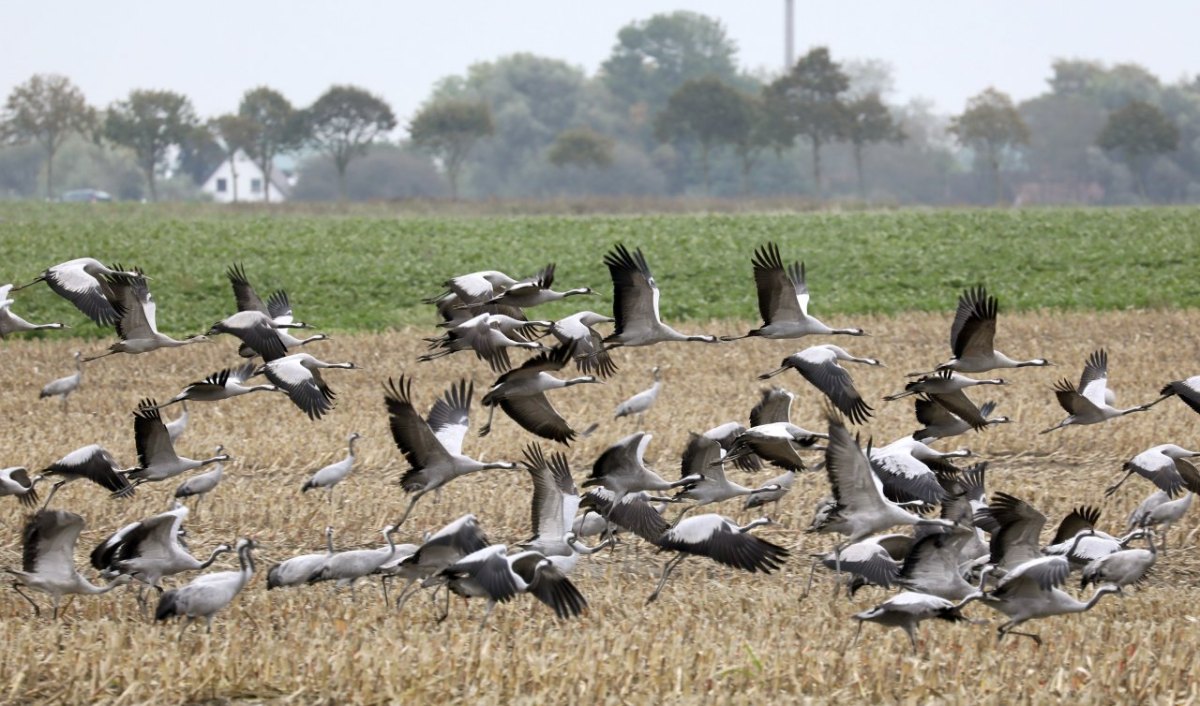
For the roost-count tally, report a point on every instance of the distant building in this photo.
(250, 186)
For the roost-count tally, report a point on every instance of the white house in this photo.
(240, 179)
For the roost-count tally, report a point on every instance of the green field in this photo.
(369, 270)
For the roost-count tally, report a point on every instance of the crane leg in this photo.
(487, 427)
(54, 601)
(411, 503)
(405, 594)
(912, 637)
(37, 612)
(686, 510)
(491, 605)
(1007, 629)
(811, 572)
(667, 569)
(446, 612)
(1113, 488)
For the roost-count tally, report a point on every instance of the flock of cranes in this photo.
(966, 545)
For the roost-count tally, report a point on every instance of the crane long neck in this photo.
(1100, 593)
(212, 557)
(246, 557)
(86, 586)
(391, 544)
(329, 543)
(350, 447)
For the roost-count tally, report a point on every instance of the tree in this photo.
(46, 109)
(235, 132)
(807, 101)
(448, 129)
(344, 122)
(991, 125)
(1136, 134)
(581, 147)
(149, 122)
(655, 57)
(277, 128)
(200, 155)
(707, 110)
(386, 172)
(869, 121)
(750, 143)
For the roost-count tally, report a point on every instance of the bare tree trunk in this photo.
(816, 150)
(745, 176)
(151, 183)
(49, 175)
(452, 177)
(858, 169)
(997, 181)
(266, 170)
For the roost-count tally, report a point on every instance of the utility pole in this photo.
(789, 34)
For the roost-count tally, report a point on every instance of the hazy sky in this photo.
(943, 50)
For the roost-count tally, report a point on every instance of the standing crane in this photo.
(334, 473)
(64, 386)
(207, 594)
(641, 403)
(299, 569)
(202, 484)
(906, 610)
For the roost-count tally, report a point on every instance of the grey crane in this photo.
(590, 356)
(207, 594)
(151, 549)
(157, 459)
(906, 610)
(490, 336)
(819, 365)
(63, 387)
(859, 508)
(641, 402)
(940, 423)
(92, 463)
(254, 329)
(1122, 568)
(278, 305)
(1163, 511)
(783, 300)
(622, 470)
(1030, 591)
(1089, 403)
(221, 385)
(536, 290)
(474, 287)
(10, 323)
(772, 437)
(555, 504)
(636, 303)
(873, 561)
(299, 375)
(494, 574)
(15, 481)
(633, 513)
(1164, 466)
(81, 282)
(348, 567)
(48, 559)
(334, 473)
(911, 470)
(201, 484)
(137, 321)
(444, 547)
(933, 565)
(299, 569)
(972, 337)
(722, 540)
(521, 393)
(433, 447)
(702, 457)
(772, 491)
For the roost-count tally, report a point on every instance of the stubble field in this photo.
(715, 635)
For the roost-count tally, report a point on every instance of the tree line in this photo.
(669, 113)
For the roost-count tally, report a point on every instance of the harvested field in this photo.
(714, 636)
